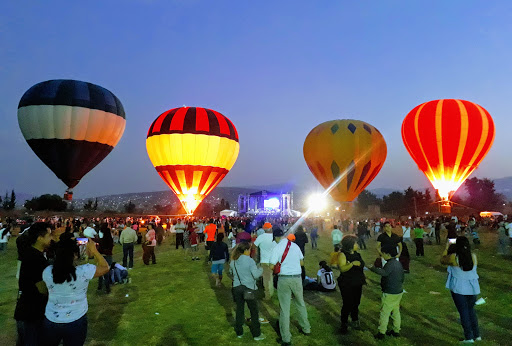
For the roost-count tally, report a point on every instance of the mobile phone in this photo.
(452, 240)
(82, 241)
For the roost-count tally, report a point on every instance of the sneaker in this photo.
(480, 301)
(379, 336)
(478, 339)
(393, 333)
(259, 338)
(470, 341)
(307, 333)
(240, 336)
(263, 320)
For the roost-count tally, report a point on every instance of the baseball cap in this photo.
(267, 225)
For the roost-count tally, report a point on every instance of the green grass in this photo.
(192, 312)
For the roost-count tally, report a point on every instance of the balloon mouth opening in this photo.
(190, 203)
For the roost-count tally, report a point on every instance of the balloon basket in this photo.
(68, 196)
(445, 207)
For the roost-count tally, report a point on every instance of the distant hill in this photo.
(504, 186)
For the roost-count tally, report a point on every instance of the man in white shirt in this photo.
(289, 282)
(90, 232)
(265, 243)
(336, 236)
(180, 229)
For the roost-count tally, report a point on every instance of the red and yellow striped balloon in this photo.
(448, 139)
(192, 149)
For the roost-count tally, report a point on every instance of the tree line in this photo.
(481, 195)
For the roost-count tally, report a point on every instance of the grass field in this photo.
(175, 303)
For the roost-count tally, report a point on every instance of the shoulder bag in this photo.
(277, 267)
(249, 293)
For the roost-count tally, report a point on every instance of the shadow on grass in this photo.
(109, 311)
(175, 335)
(222, 294)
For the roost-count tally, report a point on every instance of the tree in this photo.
(46, 202)
(88, 205)
(95, 207)
(130, 207)
(482, 195)
(393, 202)
(365, 199)
(5, 202)
(12, 201)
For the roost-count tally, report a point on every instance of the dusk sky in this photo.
(275, 68)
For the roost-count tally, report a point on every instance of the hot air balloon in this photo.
(192, 149)
(448, 139)
(347, 154)
(71, 126)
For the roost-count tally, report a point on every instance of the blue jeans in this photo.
(128, 251)
(73, 333)
(465, 305)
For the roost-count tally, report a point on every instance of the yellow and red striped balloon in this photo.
(192, 149)
(448, 139)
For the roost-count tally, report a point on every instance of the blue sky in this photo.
(275, 68)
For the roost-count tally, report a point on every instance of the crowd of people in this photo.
(263, 255)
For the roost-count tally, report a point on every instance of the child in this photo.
(392, 289)
(193, 243)
(333, 260)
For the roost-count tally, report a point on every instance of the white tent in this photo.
(227, 213)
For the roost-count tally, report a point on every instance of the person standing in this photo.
(350, 281)
(301, 239)
(210, 231)
(32, 293)
(392, 290)
(463, 284)
(265, 244)
(289, 282)
(314, 237)
(244, 272)
(336, 236)
(149, 245)
(5, 234)
(362, 228)
(180, 230)
(418, 240)
(388, 238)
(106, 245)
(219, 254)
(66, 311)
(128, 239)
(437, 231)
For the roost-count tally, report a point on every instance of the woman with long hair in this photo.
(106, 245)
(350, 281)
(463, 283)
(244, 272)
(67, 283)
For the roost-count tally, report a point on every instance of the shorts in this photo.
(217, 268)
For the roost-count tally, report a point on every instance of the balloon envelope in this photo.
(71, 125)
(448, 139)
(192, 149)
(348, 153)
